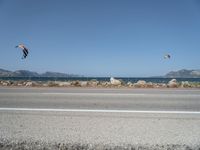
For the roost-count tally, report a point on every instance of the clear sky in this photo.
(101, 37)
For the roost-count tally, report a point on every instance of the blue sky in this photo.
(101, 37)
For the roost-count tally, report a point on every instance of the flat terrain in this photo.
(100, 118)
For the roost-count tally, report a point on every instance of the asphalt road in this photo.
(101, 117)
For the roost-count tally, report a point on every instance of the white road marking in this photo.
(78, 94)
(125, 94)
(98, 94)
(100, 111)
(107, 94)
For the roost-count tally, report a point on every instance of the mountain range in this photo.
(184, 73)
(26, 73)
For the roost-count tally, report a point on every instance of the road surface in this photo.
(100, 118)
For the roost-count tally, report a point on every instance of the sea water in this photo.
(125, 79)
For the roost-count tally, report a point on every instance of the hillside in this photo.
(26, 73)
(184, 73)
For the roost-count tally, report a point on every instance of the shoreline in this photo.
(99, 84)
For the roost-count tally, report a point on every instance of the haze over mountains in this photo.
(26, 73)
(184, 73)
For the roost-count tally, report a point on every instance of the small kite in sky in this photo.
(167, 56)
(24, 49)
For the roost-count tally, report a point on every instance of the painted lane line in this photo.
(105, 94)
(100, 111)
(77, 94)
(125, 94)
(98, 94)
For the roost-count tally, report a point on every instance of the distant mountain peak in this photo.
(183, 73)
(27, 73)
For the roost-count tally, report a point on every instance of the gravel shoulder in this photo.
(99, 130)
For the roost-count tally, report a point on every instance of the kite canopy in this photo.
(24, 50)
(167, 56)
